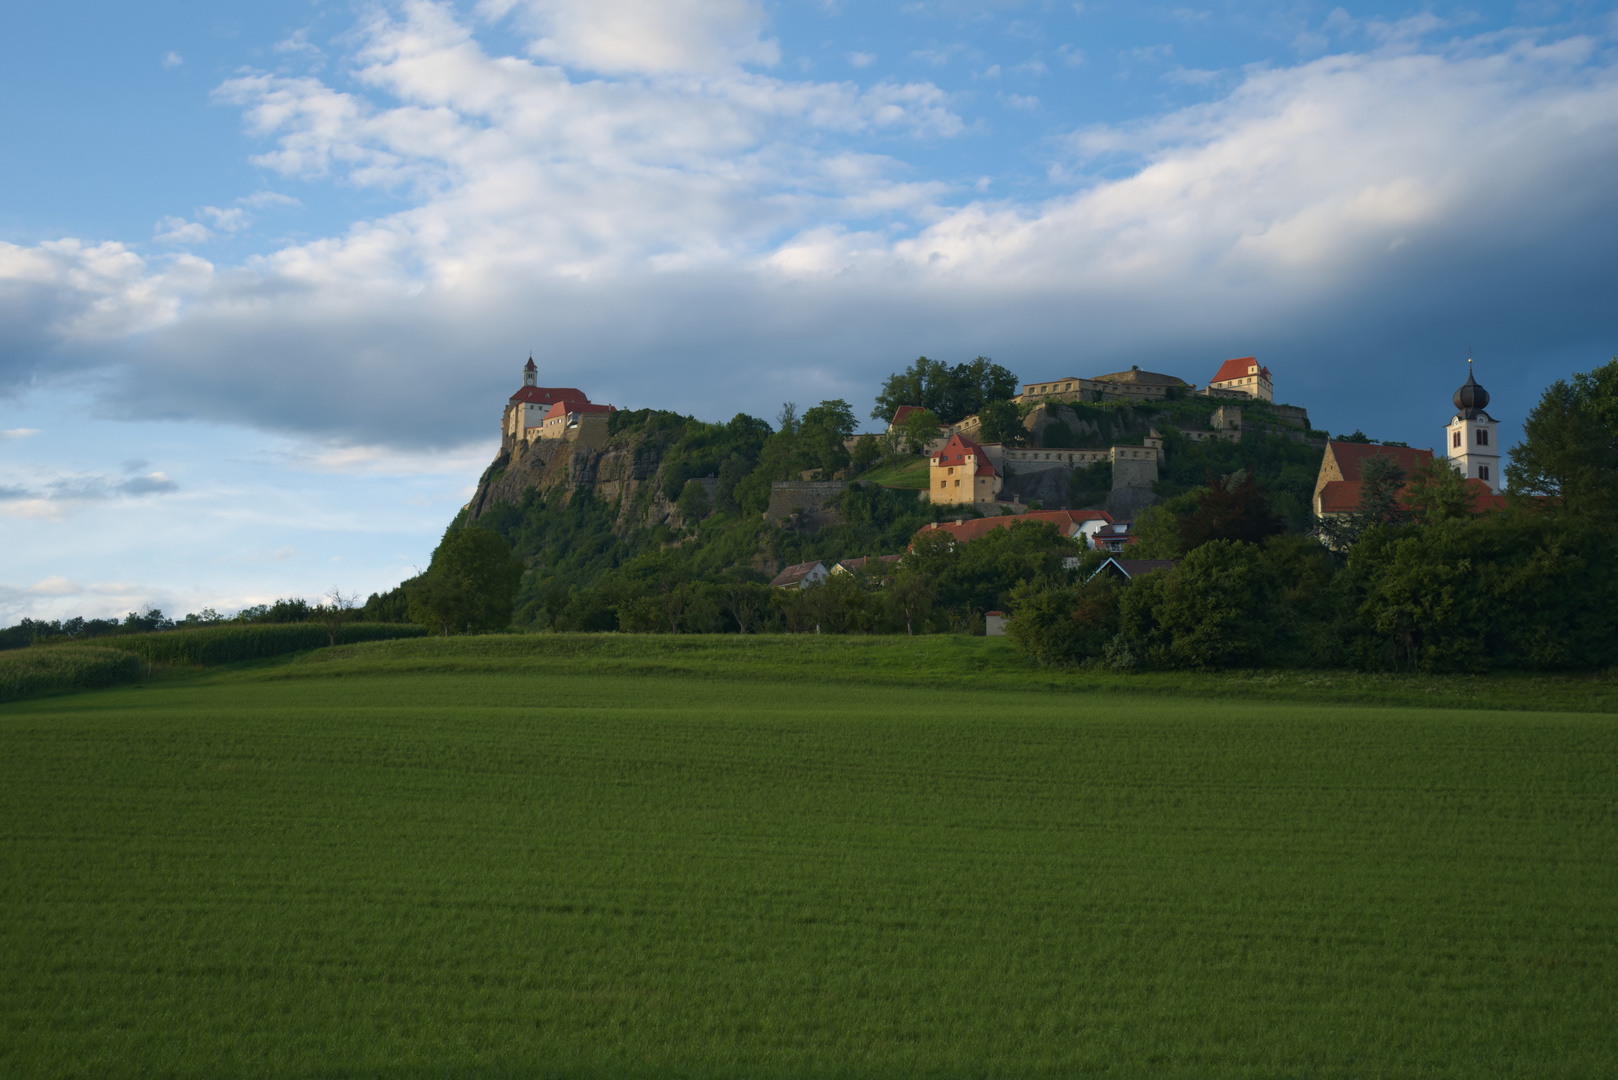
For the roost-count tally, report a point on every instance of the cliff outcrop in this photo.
(624, 471)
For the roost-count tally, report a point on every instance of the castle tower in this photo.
(530, 373)
(1473, 435)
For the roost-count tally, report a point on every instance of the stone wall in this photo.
(788, 497)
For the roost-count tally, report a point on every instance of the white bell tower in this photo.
(530, 373)
(1473, 435)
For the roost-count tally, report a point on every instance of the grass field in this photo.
(637, 857)
(899, 472)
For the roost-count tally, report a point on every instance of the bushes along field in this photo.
(30, 672)
(226, 644)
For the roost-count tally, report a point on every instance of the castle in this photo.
(551, 412)
(963, 471)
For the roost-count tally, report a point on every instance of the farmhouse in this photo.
(800, 576)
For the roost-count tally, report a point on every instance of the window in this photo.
(1483, 437)
(957, 483)
(943, 483)
(1483, 472)
(1455, 440)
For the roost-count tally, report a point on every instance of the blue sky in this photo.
(268, 271)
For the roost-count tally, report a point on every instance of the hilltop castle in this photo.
(551, 412)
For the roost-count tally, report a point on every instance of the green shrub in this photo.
(224, 644)
(47, 669)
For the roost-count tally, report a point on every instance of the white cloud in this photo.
(175, 230)
(649, 37)
(230, 219)
(1025, 102)
(860, 59)
(18, 433)
(172, 60)
(261, 199)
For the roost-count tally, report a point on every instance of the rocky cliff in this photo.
(624, 472)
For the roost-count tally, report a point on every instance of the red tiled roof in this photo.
(1067, 522)
(1351, 457)
(955, 452)
(544, 395)
(863, 560)
(562, 408)
(1343, 497)
(1238, 369)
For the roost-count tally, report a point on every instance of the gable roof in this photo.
(848, 566)
(545, 395)
(1239, 369)
(794, 575)
(1343, 497)
(1351, 457)
(1129, 569)
(903, 413)
(567, 405)
(958, 449)
(1067, 522)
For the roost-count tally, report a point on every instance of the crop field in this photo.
(551, 857)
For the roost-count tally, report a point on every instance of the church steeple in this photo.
(1473, 435)
(530, 373)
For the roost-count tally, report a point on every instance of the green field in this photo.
(899, 472)
(611, 857)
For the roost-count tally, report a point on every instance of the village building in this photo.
(1130, 569)
(801, 576)
(1245, 377)
(961, 474)
(1337, 486)
(1114, 537)
(868, 564)
(1131, 385)
(1078, 525)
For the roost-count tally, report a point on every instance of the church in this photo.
(1471, 438)
(551, 412)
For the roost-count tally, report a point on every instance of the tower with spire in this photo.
(1473, 435)
(530, 373)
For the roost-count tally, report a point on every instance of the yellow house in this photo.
(962, 473)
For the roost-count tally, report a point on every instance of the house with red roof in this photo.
(1337, 486)
(1078, 525)
(800, 576)
(961, 474)
(1244, 375)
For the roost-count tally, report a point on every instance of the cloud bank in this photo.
(666, 221)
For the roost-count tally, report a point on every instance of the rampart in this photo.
(788, 497)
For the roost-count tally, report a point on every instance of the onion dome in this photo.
(1471, 399)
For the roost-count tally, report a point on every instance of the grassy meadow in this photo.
(624, 857)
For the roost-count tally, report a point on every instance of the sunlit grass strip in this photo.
(45, 670)
(228, 644)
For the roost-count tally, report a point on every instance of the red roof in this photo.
(562, 408)
(1343, 497)
(1351, 457)
(903, 412)
(1067, 522)
(545, 395)
(958, 449)
(792, 575)
(1239, 368)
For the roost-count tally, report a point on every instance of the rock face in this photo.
(624, 472)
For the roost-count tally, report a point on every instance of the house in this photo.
(1245, 376)
(1077, 525)
(578, 421)
(800, 576)
(961, 473)
(1130, 569)
(873, 564)
(1114, 536)
(994, 623)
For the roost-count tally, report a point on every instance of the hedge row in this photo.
(224, 644)
(30, 672)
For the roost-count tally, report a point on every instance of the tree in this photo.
(909, 595)
(1065, 624)
(1438, 492)
(1001, 422)
(921, 428)
(1218, 608)
(335, 612)
(745, 601)
(951, 393)
(924, 383)
(1381, 484)
(867, 452)
(1569, 452)
(824, 429)
(470, 584)
(693, 503)
(1230, 509)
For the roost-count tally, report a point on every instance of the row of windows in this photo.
(1483, 437)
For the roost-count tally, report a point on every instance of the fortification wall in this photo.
(788, 497)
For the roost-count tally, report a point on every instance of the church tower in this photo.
(530, 373)
(1474, 446)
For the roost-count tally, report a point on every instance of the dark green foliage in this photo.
(1284, 470)
(693, 503)
(1569, 453)
(1002, 423)
(920, 428)
(1067, 624)
(952, 393)
(233, 642)
(1381, 482)
(470, 585)
(867, 452)
(34, 672)
(1219, 608)
(1090, 484)
(392, 606)
(1232, 508)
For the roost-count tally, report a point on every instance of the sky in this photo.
(269, 271)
